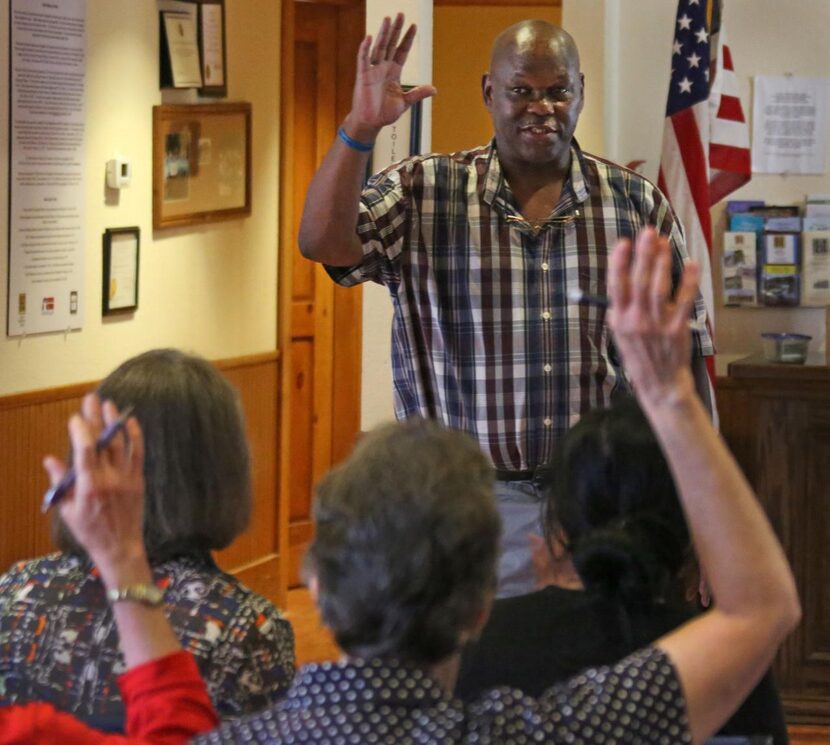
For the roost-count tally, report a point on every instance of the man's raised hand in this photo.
(378, 98)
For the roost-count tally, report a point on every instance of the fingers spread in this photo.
(379, 50)
(391, 47)
(406, 44)
(619, 280)
(363, 54)
(643, 267)
(686, 294)
(661, 278)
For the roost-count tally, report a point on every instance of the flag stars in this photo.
(684, 22)
(677, 47)
(685, 85)
(694, 2)
(702, 36)
(693, 60)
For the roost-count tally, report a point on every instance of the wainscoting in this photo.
(33, 424)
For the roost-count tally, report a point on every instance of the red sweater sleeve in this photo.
(166, 701)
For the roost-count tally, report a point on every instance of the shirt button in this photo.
(547, 422)
(545, 266)
(548, 368)
(546, 315)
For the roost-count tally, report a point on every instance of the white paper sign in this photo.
(46, 207)
(789, 124)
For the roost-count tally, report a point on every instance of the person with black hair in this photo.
(617, 545)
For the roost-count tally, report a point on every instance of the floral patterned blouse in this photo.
(59, 643)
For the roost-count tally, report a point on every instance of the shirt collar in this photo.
(494, 184)
(392, 681)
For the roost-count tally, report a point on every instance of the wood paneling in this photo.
(33, 424)
(776, 419)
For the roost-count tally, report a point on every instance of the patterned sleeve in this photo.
(638, 700)
(381, 225)
(253, 663)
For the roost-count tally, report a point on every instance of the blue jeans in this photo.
(519, 504)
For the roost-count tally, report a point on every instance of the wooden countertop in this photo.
(756, 367)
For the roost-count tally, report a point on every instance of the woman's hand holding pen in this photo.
(105, 509)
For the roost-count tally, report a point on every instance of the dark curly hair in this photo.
(612, 498)
(406, 541)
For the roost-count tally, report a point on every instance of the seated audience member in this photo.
(58, 641)
(403, 565)
(618, 540)
(167, 700)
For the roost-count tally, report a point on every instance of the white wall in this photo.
(377, 401)
(211, 290)
(766, 37)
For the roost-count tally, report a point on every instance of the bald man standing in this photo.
(482, 252)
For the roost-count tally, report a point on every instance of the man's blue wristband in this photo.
(361, 147)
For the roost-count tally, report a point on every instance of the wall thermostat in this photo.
(119, 173)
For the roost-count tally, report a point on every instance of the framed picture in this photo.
(120, 286)
(212, 48)
(201, 163)
(179, 47)
(398, 140)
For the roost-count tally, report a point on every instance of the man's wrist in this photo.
(359, 132)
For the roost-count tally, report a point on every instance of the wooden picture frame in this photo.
(201, 163)
(119, 293)
(212, 48)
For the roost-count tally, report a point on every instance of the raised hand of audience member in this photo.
(738, 552)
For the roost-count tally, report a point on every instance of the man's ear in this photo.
(486, 89)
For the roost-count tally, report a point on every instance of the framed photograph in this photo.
(120, 286)
(212, 48)
(201, 163)
(397, 141)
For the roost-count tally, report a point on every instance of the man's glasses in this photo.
(538, 225)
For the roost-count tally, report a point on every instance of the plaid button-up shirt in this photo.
(484, 336)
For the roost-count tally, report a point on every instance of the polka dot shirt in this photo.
(637, 701)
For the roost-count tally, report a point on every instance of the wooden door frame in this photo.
(347, 382)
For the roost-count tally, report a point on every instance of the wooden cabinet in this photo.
(776, 419)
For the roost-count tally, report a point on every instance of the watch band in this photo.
(149, 594)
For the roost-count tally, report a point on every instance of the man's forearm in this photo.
(327, 228)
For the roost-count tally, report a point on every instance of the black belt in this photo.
(531, 475)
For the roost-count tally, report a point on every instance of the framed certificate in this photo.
(120, 286)
(212, 48)
(180, 65)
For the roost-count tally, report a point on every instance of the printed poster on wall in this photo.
(46, 215)
(789, 124)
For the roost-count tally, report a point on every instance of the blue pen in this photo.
(578, 296)
(58, 491)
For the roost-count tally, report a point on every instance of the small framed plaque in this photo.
(212, 48)
(120, 285)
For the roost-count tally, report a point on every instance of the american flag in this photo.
(705, 139)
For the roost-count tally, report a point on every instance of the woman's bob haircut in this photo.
(196, 466)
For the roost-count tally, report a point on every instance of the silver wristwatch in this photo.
(149, 594)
